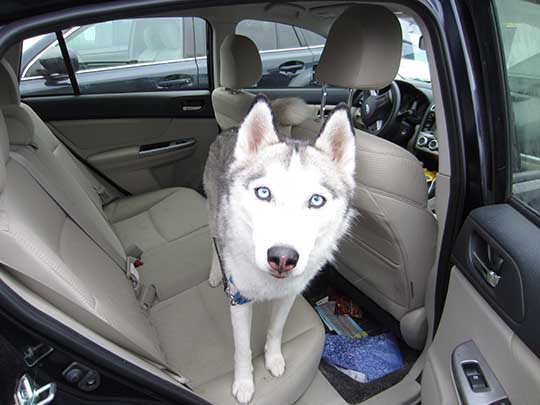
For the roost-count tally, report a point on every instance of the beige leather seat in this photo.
(240, 67)
(169, 226)
(78, 264)
(391, 248)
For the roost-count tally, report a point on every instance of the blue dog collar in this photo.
(235, 298)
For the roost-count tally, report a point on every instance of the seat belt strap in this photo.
(67, 207)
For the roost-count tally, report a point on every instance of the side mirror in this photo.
(53, 63)
(422, 43)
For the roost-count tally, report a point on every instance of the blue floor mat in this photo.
(374, 356)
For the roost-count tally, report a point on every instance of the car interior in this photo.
(91, 181)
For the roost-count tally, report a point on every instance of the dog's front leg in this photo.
(273, 358)
(243, 387)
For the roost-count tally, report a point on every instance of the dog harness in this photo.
(231, 291)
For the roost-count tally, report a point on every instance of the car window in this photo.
(128, 55)
(312, 39)
(290, 54)
(519, 25)
(263, 33)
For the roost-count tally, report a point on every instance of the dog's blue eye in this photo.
(263, 193)
(316, 201)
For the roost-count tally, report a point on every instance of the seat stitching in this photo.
(364, 279)
(150, 217)
(376, 190)
(173, 191)
(373, 251)
(169, 242)
(407, 158)
(403, 256)
(90, 300)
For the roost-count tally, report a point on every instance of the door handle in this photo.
(192, 108)
(192, 105)
(291, 67)
(488, 263)
(148, 150)
(184, 81)
(489, 275)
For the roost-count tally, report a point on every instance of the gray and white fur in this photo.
(269, 193)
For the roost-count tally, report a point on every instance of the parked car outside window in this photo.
(290, 54)
(129, 55)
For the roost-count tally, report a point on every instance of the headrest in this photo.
(9, 85)
(241, 64)
(363, 49)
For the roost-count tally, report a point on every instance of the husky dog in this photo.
(277, 209)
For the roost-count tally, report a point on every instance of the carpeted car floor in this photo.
(353, 391)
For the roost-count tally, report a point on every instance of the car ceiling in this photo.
(16, 9)
(315, 15)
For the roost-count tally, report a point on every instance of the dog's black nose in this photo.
(282, 258)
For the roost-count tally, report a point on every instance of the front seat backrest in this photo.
(240, 67)
(391, 247)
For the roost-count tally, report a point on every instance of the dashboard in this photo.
(417, 119)
(403, 113)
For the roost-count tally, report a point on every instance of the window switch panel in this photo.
(477, 382)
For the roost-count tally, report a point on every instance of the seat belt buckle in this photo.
(132, 273)
(147, 295)
(102, 193)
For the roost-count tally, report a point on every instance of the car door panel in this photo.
(140, 141)
(501, 321)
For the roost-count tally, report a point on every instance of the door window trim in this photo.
(132, 65)
(39, 55)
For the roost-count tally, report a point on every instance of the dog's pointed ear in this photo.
(336, 138)
(257, 130)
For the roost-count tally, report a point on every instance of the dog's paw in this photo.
(275, 363)
(243, 390)
(215, 279)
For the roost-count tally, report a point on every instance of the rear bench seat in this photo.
(77, 265)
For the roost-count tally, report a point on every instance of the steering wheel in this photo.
(377, 110)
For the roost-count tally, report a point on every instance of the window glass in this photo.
(519, 25)
(263, 33)
(300, 51)
(414, 64)
(287, 60)
(200, 37)
(287, 37)
(130, 55)
(313, 39)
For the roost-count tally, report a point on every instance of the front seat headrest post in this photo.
(350, 99)
(323, 101)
